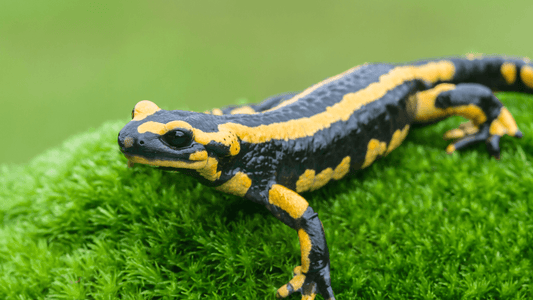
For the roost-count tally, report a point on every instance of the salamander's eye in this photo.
(133, 113)
(178, 138)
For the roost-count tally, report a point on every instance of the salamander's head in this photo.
(175, 139)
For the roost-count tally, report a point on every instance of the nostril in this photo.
(128, 142)
(141, 142)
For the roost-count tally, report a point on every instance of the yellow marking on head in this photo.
(312, 89)
(504, 124)
(238, 185)
(167, 163)
(287, 200)
(209, 171)
(144, 109)
(309, 182)
(161, 129)
(375, 148)
(527, 60)
(223, 137)
(245, 110)
(305, 248)
(199, 155)
(128, 142)
(341, 111)
(526, 74)
(397, 138)
(508, 71)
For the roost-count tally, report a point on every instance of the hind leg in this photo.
(489, 120)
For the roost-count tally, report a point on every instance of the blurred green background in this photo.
(66, 66)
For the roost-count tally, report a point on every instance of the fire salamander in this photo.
(271, 152)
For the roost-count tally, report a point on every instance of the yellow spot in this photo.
(283, 291)
(287, 200)
(128, 142)
(238, 185)
(209, 171)
(217, 112)
(526, 74)
(450, 149)
(200, 155)
(309, 182)
(426, 110)
(144, 109)
(375, 148)
(464, 129)
(508, 71)
(297, 281)
(342, 169)
(341, 111)
(305, 248)
(496, 128)
(245, 110)
(305, 181)
(504, 124)
(322, 178)
(166, 163)
(397, 138)
(474, 55)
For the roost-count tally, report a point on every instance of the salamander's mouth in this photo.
(167, 164)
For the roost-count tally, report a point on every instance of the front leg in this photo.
(313, 276)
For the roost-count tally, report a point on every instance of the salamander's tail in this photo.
(496, 72)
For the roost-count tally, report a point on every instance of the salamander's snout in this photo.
(125, 141)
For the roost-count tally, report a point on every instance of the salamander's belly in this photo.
(372, 131)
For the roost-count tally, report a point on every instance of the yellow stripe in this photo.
(305, 127)
(312, 89)
(167, 163)
(305, 247)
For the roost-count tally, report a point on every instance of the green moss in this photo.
(76, 223)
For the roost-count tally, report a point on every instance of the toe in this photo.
(285, 291)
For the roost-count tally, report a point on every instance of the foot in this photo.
(309, 284)
(469, 134)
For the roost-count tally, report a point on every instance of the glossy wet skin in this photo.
(270, 152)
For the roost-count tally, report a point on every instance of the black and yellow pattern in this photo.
(296, 142)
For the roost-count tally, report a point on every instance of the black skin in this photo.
(282, 162)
